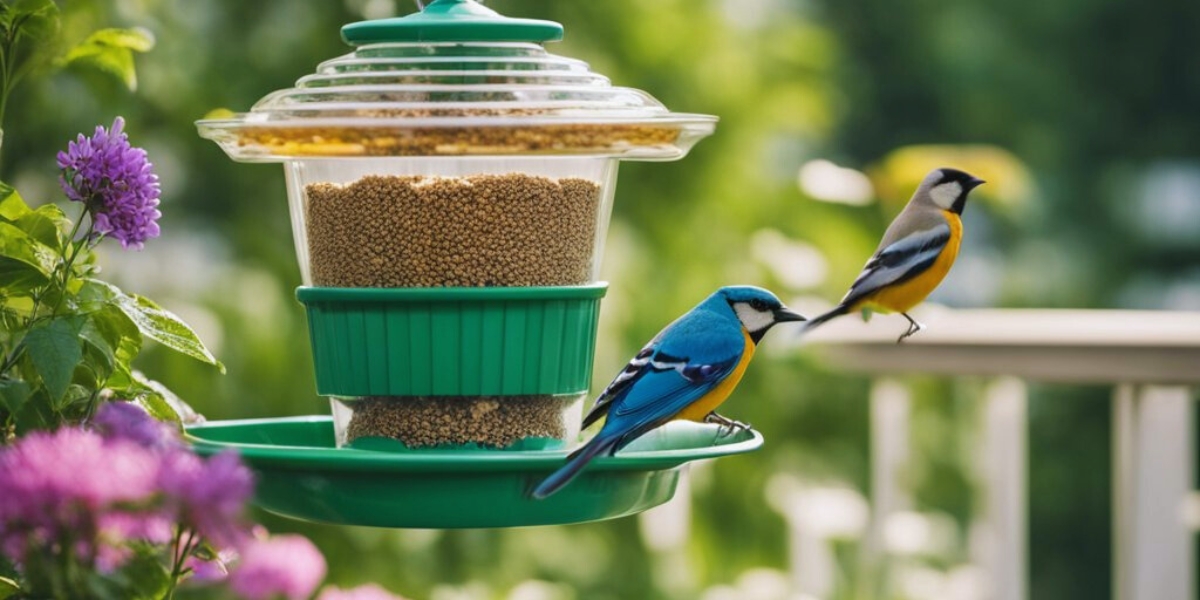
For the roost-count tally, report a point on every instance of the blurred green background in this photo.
(1082, 115)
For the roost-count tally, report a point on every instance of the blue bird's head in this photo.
(757, 309)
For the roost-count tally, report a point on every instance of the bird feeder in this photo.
(450, 184)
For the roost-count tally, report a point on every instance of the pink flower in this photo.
(363, 592)
(282, 565)
(72, 483)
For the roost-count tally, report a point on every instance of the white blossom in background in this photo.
(920, 582)
(913, 533)
(797, 264)
(816, 515)
(822, 180)
(830, 511)
(536, 589)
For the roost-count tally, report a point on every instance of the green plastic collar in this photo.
(452, 21)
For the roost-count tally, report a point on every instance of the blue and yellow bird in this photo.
(916, 252)
(685, 372)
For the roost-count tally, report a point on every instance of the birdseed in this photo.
(481, 230)
(488, 421)
(455, 141)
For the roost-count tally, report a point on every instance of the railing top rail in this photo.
(1099, 346)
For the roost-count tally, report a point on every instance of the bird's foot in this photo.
(728, 426)
(913, 327)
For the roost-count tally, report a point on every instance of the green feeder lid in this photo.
(452, 21)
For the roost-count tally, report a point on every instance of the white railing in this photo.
(1152, 360)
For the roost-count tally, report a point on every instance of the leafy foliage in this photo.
(111, 51)
(70, 339)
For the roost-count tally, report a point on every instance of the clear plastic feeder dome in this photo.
(451, 149)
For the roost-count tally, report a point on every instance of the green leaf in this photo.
(12, 205)
(37, 19)
(36, 414)
(111, 50)
(136, 39)
(95, 295)
(164, 327)
(144, 576)
(78, 396)
(18, 278)
(13, 394)
(99, 300)
(162, 403)
(98, 353)
(8, 588)
(156, 406)
(25, 263)
(48, 225)
(55, 351)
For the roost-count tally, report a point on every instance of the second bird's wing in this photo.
(905, 258)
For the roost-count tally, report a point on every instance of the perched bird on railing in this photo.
(685, 372)
(916, 252)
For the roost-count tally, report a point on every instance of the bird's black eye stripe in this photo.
(759, 305)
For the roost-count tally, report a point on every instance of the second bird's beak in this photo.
(974, 182)
(783, 315)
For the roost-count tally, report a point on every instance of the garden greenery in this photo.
(99, 496)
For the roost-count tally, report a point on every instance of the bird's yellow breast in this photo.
(709, 402)
(904, 295)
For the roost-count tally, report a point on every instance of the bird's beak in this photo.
(974, 182)
(783, 315)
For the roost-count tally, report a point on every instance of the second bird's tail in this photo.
(812, 323)
(575, 462)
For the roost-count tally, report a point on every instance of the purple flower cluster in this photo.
(125, 420)
(115, 182)
(87, 494)
(91, 491)
(209, 495)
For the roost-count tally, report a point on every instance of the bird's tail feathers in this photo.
(812, 323)
(575, 463)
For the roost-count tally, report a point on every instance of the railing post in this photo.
(891, 405)
(1152, 471)
(1000, 539)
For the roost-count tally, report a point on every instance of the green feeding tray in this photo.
(302, 475)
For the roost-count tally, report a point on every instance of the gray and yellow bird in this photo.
(916, 252)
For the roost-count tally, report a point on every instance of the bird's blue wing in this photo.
(905, 258)
(660, 393)
(682, 364)
(634, 369)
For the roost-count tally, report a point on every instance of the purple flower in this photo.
(363, 592)
(73, 484)
(115, 182)
(128, 421)
(209, 495)
(282, 565)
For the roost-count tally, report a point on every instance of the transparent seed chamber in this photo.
(450, 184)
